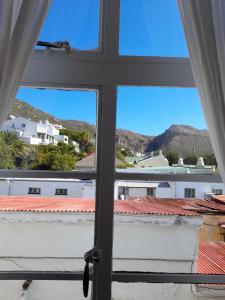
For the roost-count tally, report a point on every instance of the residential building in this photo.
(88, 163)
(123, 188)
(48, 187)
(153, 161)
(34, 133)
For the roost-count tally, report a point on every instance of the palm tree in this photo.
(10, 137)
(15, 146)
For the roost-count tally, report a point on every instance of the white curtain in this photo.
(20, 24)
(204, 25)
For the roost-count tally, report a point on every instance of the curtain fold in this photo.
(20, 24)
(204, 25)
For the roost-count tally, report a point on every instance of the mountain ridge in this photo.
(184, 139)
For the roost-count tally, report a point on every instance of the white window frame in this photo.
(104, 70)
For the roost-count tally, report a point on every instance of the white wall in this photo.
(20, 187)
(86, 189)
(137, 192)
(57, 241)
(200, 188)
(4, 187)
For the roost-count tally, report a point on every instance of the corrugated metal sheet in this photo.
(211, 258)
(131, 206)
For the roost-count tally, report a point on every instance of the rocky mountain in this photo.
(133, 141)
(182, 138)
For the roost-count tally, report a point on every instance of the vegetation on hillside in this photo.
(191, 159)
(15, 154)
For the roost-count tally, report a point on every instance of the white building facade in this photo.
(123, 188)
(35, 133)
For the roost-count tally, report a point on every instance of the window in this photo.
(61, 191)
(217, 191)
(73, 14)
(104, 72)
(151, 192)
(142, 22)
(189, 193)
(122, 192)
(34, 190)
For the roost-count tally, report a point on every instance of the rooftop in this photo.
(172, 170)
(211, 258)
(137, 206)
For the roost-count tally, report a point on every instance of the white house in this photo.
(50, 187)
(47, 234)
(47, 187)
(34, 133)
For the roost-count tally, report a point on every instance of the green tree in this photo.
(172, 157)
(190, 159)
(210, 159)
(6, 160)
(16, 148)
(83, 138)
(51, 157)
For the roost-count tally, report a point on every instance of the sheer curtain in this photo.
(204, 25)
(20, 23)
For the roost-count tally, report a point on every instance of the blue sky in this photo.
(148, 27)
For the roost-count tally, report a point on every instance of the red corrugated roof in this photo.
(211, 258)
(131, 206)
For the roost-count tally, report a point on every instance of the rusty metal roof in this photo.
(142, 206)
(211, 258)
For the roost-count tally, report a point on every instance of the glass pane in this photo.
(74, 21)
(151, 28)
(166, 291)
(166, 233)
(162, 130)
(47, 223)
(43, 290)
(50, 130)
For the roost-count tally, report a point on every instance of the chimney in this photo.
(180, 162)
(200, 162)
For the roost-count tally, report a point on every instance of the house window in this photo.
(189, 193)
(122, 192)
(34, 190)
(61, 192)
(151, 191)
(217, 191)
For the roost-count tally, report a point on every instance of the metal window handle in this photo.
(93, 256)
(86, 280)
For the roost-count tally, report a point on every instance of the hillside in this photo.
(132, 140)
(22, 109)
(181, 138)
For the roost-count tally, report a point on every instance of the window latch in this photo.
(93, 256)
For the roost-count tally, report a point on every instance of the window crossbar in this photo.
(125, 277)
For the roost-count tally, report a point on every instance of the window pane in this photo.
(162, 131)
(74, 21)
(50, 130)
(166, 291)
(151, 28)
(165, 232)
